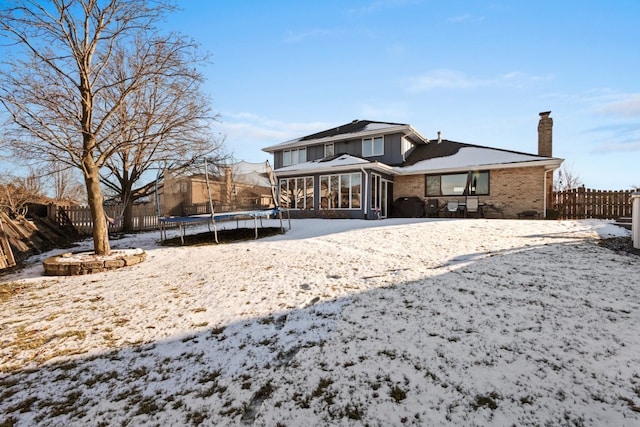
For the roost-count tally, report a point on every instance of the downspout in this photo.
(544, 200)
(366, 181)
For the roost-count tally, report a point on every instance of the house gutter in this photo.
(544, 191)
(550, 169)
(404, 129)
(336, 169)
(410, 170)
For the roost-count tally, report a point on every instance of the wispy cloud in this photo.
(247, 133)
(616, 137)
(377, 5)
(621, 114)
(465, 18)
(269, 124)
(626, 105)
(452, 79)
(384, 111)
(312, 34)
(618, 146)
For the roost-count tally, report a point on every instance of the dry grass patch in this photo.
(36, 343)
(8, 290)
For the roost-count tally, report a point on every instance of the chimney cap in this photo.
(545, 113)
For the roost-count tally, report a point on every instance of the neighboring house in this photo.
(243, 186)
(359, 169)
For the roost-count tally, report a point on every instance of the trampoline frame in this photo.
(185, 221)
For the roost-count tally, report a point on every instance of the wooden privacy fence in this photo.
(144, 217)
(581, 203)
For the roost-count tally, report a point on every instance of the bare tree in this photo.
(163, 123)
(16, 193)
(566, 179)
(65, 184)
(57, 87)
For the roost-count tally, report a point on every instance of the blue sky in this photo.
(479, 71)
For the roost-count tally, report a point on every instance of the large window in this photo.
(296, 193)
(458, 184)
(341, 191)
(373, 147)
(293, 157)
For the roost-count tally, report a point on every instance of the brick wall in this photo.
(408, 186)
(517, 190)
(511, 191)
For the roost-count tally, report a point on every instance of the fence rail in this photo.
(582, 203)
(144, 217)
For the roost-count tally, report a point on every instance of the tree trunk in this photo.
(95, 200)
(127, 214)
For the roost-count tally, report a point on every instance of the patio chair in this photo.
(452, 207)
(472, 206)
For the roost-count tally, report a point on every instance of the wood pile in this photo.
(20, 238)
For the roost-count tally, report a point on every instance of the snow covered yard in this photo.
(337, 322)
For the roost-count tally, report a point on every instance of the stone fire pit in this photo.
(75, 264)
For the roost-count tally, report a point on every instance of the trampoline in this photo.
(244, 173)
(184, 221)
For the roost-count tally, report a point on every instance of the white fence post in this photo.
(635, 219)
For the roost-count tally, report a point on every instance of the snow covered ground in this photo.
(337, 322)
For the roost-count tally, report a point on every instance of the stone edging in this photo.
(63, 265)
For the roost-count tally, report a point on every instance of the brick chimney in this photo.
(545, 147)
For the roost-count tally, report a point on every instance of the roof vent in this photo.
(439, 137)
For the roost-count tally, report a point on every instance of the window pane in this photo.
(291, 193)
(324, 192)
(378, 146)
(284, 199)
(356, 184)
(453, 185)
(433, 185)
(299, 194)
(345, 186)
(286, 158)
(367, 147)
(480, 183)
(302, 155)
(334, 191)
(308, 193)
(328, 150)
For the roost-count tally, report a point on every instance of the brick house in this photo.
(238, 186)
(364, 169)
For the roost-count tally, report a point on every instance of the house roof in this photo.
(355, 129)
(332, 164)
(452, 156)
